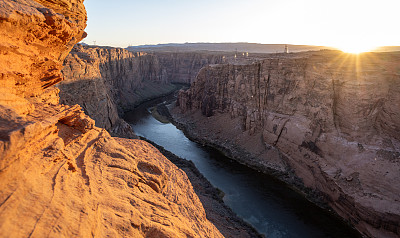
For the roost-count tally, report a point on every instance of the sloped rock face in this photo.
(60, 175)
(328, 118)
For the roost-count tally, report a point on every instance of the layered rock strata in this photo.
(107, 81)
(60, 175)
(326, 122)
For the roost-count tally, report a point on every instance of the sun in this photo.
(356, 48)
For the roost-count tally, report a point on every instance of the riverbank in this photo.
(222, 216)
(267, 203)
(187, 123)
(197, 131)
(227, 222)
(334, 127)
(154, 92)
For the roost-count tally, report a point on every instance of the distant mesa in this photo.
(228, 47)
(241, 47)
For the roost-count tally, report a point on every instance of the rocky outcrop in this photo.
(60, 175)
(325, 122)
(33, 47)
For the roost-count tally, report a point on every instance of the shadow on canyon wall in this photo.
(330, 119)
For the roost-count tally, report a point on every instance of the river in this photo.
(266, 203)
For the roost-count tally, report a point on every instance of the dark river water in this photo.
(267, 204)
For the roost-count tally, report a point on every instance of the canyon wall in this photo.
(183, 67)
(108, 81)
(60, 175)
(325, 122)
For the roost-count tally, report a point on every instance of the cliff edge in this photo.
(60, 174)
(325, 122)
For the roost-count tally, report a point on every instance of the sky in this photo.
(344, 24)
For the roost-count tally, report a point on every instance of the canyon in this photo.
(322, 121)
(325, 122)
(62, 176)
(108, 81)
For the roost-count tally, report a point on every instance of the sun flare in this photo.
(356, 48)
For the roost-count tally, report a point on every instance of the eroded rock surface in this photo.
(33, 47)
(65, 177)
(60, 175)
(328, 118)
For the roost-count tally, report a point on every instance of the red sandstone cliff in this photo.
(59, 174)
(328, 118)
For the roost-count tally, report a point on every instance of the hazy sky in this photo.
(338, 23)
